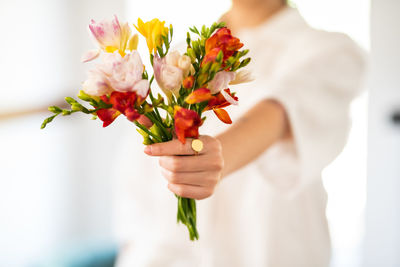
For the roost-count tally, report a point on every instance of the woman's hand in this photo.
(190, 175)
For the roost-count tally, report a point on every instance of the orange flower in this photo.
(198, 95)
(187, 123)
(218, 102)
(210, 56)
(223, 40)
(122, 103)
(188, 82)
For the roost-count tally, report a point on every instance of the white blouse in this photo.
(271, 212)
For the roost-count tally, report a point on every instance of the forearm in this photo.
(259, 128)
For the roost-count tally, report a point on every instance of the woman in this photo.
(263, 202)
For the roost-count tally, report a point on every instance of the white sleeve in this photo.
(316, 94)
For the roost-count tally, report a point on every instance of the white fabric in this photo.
(272, 212)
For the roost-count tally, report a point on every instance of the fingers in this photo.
(191, 191)
(191, 164)
(191, 178)
(175, 147)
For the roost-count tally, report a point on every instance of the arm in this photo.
(195, 176)
(252, 134)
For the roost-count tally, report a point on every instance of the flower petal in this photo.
(223, 115)
(243, 76)
(228, 97)
(199, 95)
(187, 123)
(142, 88)
(90, 55)
(107, 115)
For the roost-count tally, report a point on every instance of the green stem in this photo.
(148, 132)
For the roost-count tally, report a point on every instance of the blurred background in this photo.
(56, 203)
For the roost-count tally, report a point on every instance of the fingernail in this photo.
(147, 150)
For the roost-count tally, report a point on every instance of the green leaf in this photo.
(160, 51)
(151, 59)
(194, 30)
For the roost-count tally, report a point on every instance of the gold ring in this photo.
(197, 146)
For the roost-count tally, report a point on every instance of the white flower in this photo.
(123, 74)
(243, 76)
(96, 84)
(168, 76)
(221, 81)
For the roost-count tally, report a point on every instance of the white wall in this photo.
(383, 204)
(54, 183)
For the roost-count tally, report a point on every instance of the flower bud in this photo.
(220, 56)
(215, 67)
(202, 79)
(184, 63)
(191, 54)
(205, 68)
(76, 107)
(55, 109)
(188, 82)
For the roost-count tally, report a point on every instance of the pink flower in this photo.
(221, 81)
(111, 36)
(171, 70)
(90, 55)
(117, 73)
(97, 84)
(124, 73)
(106, 32)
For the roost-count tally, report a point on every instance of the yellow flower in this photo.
(152, 31)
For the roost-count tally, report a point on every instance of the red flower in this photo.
(188, 82)
(107, 115)
(187, 123)
(210, 56)
(223, 40)
(122, 103)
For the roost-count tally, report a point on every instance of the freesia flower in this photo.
(187, 123)
(221, 81)
(122, 103)
(215, 102)
(220, 101)
(97, 84)
(152, 31)
(188, 82)
(242, 76)
(111, 36)
(198, 96)
(170, 71)
(124, 74)
(223, 40)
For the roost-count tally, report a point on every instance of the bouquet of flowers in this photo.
(193, 83)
